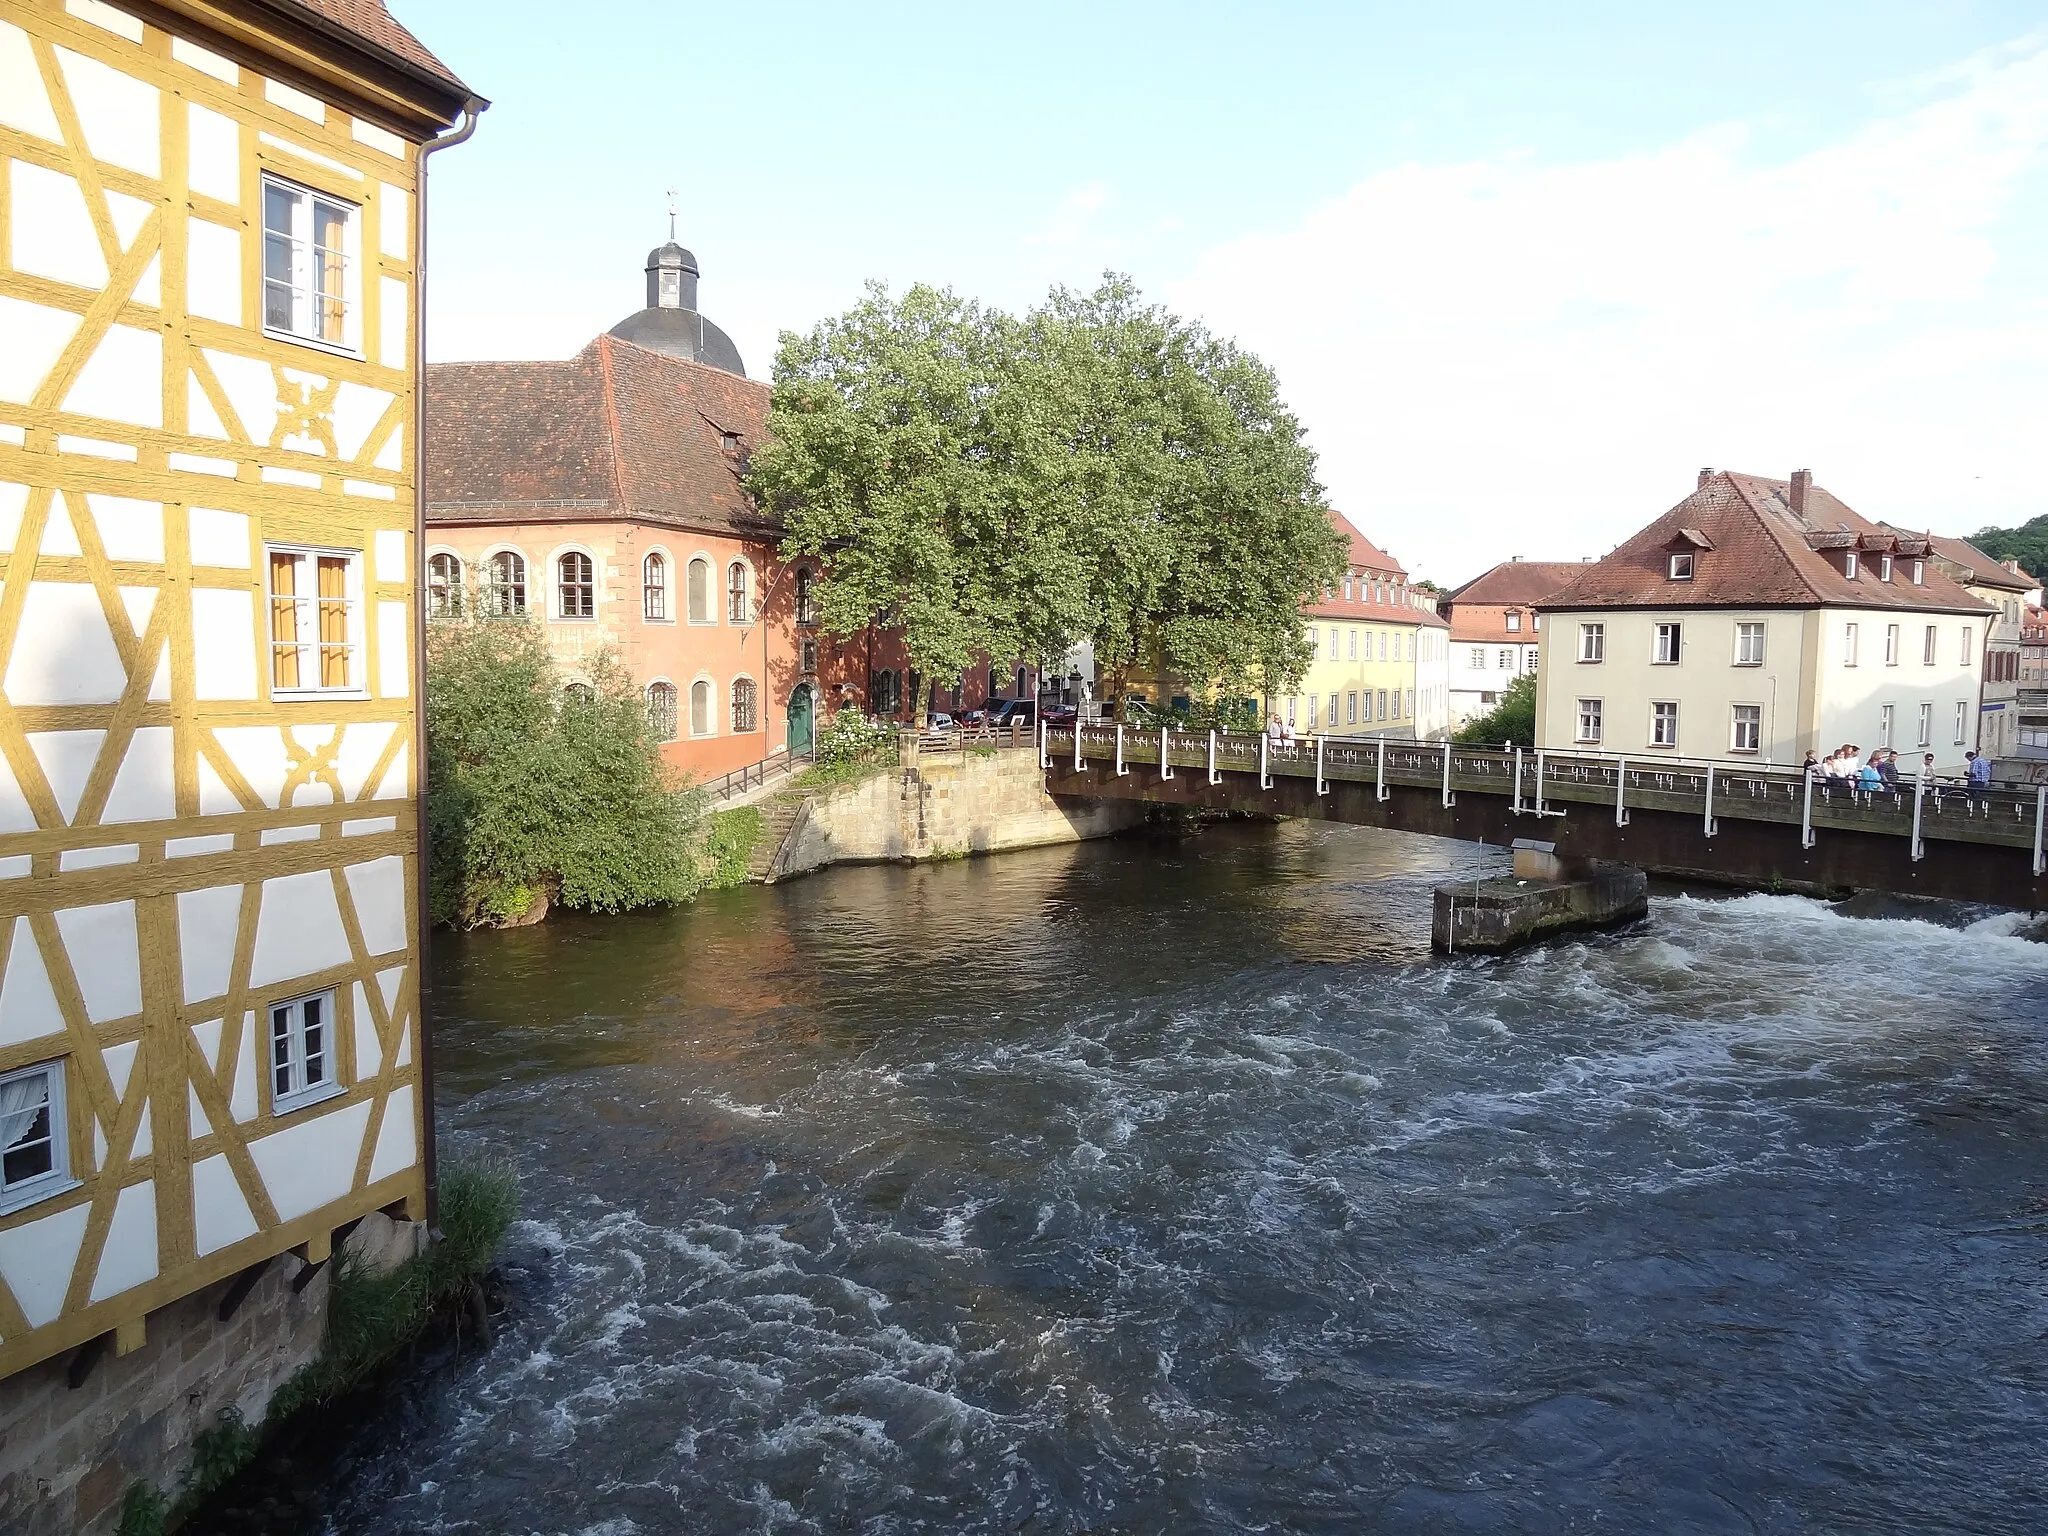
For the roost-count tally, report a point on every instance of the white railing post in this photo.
(1806, 815)
(1621, 791)
(1711, 828)
(1078, 764)
(1322, 787)
(1379, 785)
(2040, 813)
(1214, 776)
(1044, 745)
(1920, 848)
(1165, 762)
(1265, 768)
(1121, 770)
(1515, 807)
(1449, 798)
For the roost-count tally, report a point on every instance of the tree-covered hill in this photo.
(2027, 544)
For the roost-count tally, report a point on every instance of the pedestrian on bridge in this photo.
(1978, 774)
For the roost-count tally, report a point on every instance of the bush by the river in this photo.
(1511, 722)
(540, 794)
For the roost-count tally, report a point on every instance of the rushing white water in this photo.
(1177, 1188)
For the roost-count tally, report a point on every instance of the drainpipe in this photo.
(429, 1156)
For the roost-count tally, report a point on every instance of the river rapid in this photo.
(1174, 1186)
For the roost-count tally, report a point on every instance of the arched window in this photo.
(576, 585)
(444, 585)
(582, 693)
(700, 708)
(700, 592)
(661, 710)
(654, 605)
(743, 710)
(806, 595)
(505, 583)
(736, 593)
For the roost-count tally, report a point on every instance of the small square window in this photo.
(302, 1069)
(1681, 565)
(316, 639)
(35, 1160)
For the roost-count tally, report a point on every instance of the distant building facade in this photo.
(1378, 659)
(2012, 593)
(1494, 634)
(1759, 620)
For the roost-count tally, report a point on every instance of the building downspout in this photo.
(472, 109)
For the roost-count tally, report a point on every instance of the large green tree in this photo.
(1001, 486)
(2027, 544)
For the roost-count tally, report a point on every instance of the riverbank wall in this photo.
(937, 806)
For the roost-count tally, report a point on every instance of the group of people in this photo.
(1880, 771)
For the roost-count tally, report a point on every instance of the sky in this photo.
(1521, 270)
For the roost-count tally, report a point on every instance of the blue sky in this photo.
(1521, 274)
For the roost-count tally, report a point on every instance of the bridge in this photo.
(1760, 827)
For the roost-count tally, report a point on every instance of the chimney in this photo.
(1706, 474)
(1514, 559)
(1802, 482)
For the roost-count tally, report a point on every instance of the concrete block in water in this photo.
(1490, 916)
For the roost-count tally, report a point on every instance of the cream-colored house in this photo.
(1756, 621)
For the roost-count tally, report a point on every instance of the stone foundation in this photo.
(1491, 916)
(940, 805)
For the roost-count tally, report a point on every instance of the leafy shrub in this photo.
(852, 737)
(1511, 721)
(729, 844)
(539, 791)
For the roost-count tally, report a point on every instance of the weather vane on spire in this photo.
(671, 213)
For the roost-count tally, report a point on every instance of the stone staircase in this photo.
(778, 814)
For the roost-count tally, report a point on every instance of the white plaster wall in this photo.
(1852, 698)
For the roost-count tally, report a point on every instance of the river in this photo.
(1174, 1186)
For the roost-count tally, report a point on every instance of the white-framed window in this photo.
(1884, 567)
(746, 709)
(700, 707)
(1351, 708)
(1479, 658)
(1334, 651)
(1410, 715)
(1365, 709)
(1333, 711)
(1383, 644)
(806, 595)
(1886, 721)
(1919, 573)
(1292, 700)
(302, 1052)
(316, 626)
(1589, 721)
(1592, 642)
(1664, 723)
(1514, 622)
(1530, 657)
(1669, 645)
(575, 586)
(698, 582)
(309, 251)
(1315, 709)
(1347, 586)
(1383, 705)
(738, 593)
(1926, 725)
(1681, 565)
(661, 709)
(444, 585)
(1962, 721)
(1969, 643)
(1507, 658)
(1746, 728)
(1315, 642)
(1927, 645)
(1351, 641)
(35, 1152)
(1749, 645)
(1850, 564)
(1850, 635)
(1891, 645)
(654, 590)
(504, 588)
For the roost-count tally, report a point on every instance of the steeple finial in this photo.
(671, 213)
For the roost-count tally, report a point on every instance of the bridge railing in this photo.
(1543, 784)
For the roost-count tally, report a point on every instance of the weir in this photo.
(1759, 827)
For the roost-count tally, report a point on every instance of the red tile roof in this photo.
(1974, 568)
(616, 431)
(1516, 583)
(1368, 556)
(1764, 555)
(1365, 555)
(374, 25)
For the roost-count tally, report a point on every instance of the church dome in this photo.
(671, 323)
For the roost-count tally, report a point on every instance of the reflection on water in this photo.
(1175, 1187)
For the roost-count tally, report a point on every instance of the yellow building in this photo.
(210, 1044)
(1379, 654)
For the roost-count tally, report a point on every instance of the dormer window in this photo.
(1919, 573)
(729, 441)
(1884, 567)
(1514, 621)
(1849, 564)
(1681, 565)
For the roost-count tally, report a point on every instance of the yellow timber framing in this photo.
(269, 468)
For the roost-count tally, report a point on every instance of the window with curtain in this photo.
(34, 1159)
(313, 621)
(736, 605)
(700, 708)
(576, 586)
(744, 708)
(700, 592)
(504, 584)
(661, 710)
(654, 594)
(444, 585)
(305, 263)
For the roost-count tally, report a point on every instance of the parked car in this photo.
(1014, 714)
(1059, 714)
(941, 722)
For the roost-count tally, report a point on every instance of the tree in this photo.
(2027, 544)
(1512, 721)
(539, 794)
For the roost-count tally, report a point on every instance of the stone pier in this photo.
(1545, 895)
